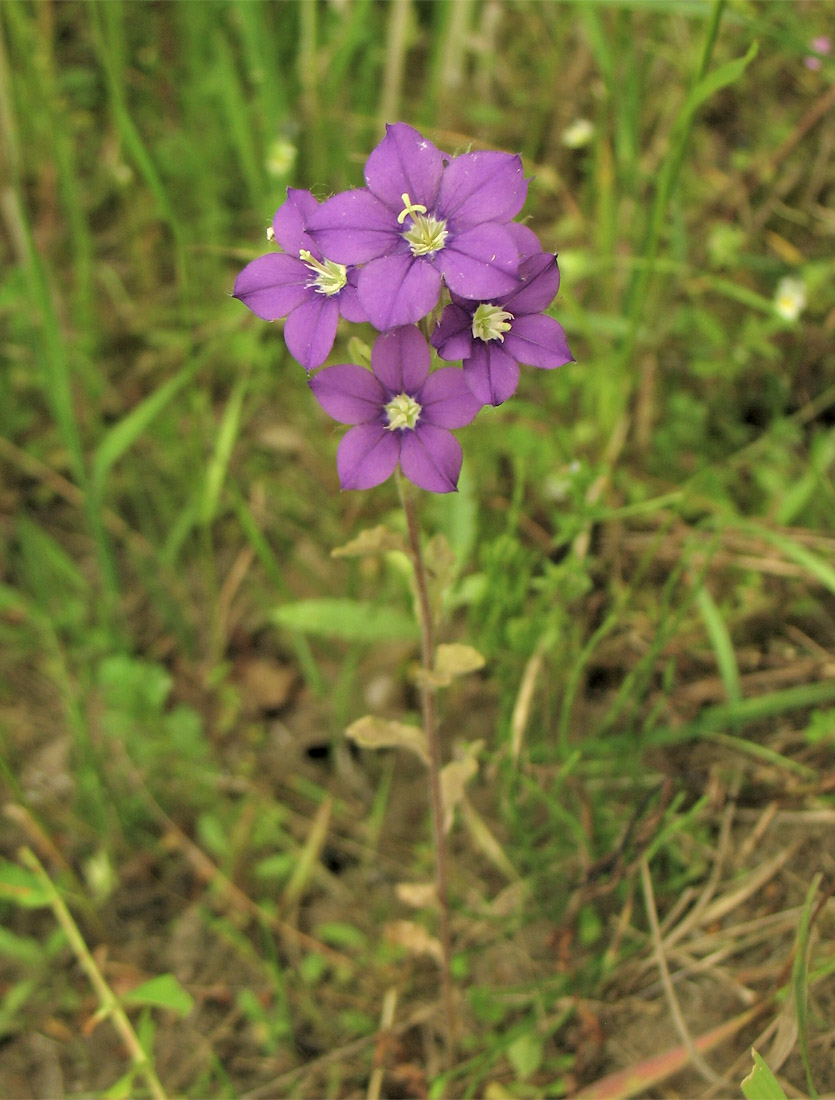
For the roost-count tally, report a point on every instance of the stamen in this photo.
(409, 208)
(329, 277)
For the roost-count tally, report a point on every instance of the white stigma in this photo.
(402, 412)
(491, 322)
(328, 278)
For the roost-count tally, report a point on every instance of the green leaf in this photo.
(525, 1054)
(350, 620)
(22, 948)
(371, 732)
(163, 991)
(451, 661)
(761, 1084)
(22, 887)
(122, 1089)
(374, 540)
(718, 78)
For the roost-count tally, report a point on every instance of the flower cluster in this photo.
(429, 234)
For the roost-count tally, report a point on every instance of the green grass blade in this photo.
(761, 1084)
(122, 436)
(720, 639)
(810, 561)
(800, 975)
(219, 462)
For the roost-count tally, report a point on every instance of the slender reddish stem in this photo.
(430, 726)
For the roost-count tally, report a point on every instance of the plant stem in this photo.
(107, 998)
(430, 726)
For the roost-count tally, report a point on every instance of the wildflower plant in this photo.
(428, 254)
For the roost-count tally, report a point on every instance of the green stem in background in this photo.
(108, 1000)
(430, 726)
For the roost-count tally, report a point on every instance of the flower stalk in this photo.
(430, 727)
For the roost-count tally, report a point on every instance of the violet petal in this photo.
(350, 394)
(491, 373)
(540, 277)
(401, 360)
(431, 458)
(289, 222)
(482, 187)
(404, 163)
(366, 456)
(353, 227)
(480, 263)
(398, 290)
(453, 335)
(525, 239)
(539, 341)
(310, 330)
(349, 303)
(446, 400)
(273, 285)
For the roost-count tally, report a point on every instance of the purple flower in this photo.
(421, 219)
(494, 336)
(300, 284)
(402, 414)
(821, 47)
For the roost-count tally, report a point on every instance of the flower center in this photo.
(427, 233)
(403, 412)
(328, 278)
(491, 322)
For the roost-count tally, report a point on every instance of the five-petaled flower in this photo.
(400, 412)
(423, 217)
(300, 284)
(494, 337)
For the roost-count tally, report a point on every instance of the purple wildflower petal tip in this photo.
(538, 341)
(272, 285)
(492, 374)
(348, 393)
(482, 187)
(404, 163)
(289, 222)
(539, 282)
(431, 459)
(310, 330)
(366, 456)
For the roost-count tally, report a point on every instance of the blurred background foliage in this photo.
(643, 539)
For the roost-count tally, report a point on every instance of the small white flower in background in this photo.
(790, 298)
(578, 133)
